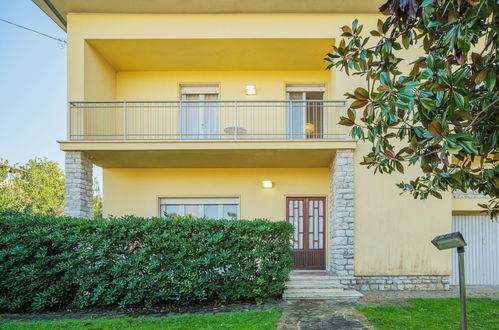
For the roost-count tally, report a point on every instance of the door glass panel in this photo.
(293, 220)
(191, 116)
(296, 116)
(314, 125)
(298, 214)
(210, 119)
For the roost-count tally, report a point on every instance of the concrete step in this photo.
(321, 294)
(310, 278)
(314, 285)
(313, 290)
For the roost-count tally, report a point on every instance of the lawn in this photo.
(248, 320)
(438, 313)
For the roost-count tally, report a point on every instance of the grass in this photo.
(438, 313)
(249, 320)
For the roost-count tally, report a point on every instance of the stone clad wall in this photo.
(341, 213)
(397, 283)
(468, 195)
(78, 189)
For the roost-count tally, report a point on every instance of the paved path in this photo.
(320, 314)
(341, 314)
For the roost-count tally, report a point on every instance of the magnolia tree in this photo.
(442, 115)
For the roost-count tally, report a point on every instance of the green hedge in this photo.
(60, 262)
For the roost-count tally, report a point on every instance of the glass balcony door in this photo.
(200, 116)
(305, 114)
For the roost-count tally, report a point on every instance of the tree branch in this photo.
(481, 112)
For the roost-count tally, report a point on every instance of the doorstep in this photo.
(317, 285)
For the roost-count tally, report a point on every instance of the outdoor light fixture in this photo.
(250, 90)
(267, 184)
(451, 241)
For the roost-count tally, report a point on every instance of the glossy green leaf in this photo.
(490, 80)
(428, 103)
(458, 99)
(385, 79)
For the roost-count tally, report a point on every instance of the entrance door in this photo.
(308, 216)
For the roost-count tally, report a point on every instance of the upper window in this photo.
(208, 208)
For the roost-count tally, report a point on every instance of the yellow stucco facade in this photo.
(144, 57)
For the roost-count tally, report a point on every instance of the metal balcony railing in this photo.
(205, 120)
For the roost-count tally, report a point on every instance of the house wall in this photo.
(116, 26)
(392, 232)
(100, 76)
(165, 85)
(136, 190)
(99, 84)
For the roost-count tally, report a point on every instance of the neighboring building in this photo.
(223, 109)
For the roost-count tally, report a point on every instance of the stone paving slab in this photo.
(341, 314)
(320, 314)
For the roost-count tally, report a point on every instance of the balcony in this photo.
(215, 120)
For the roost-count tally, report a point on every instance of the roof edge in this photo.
(48, 8)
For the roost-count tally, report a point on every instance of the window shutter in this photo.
(199, 89)
(306, 87)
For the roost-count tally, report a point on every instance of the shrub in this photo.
(60, 262)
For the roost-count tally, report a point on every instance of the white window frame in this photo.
(200, 202)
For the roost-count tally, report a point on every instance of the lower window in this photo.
(208, 208)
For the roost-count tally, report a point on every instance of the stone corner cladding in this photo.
(78, 188)
(341, 213)
(398, 283)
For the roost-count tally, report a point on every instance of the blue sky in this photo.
(32, 85)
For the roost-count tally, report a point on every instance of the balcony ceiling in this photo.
(206, 6)
(214, 54)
